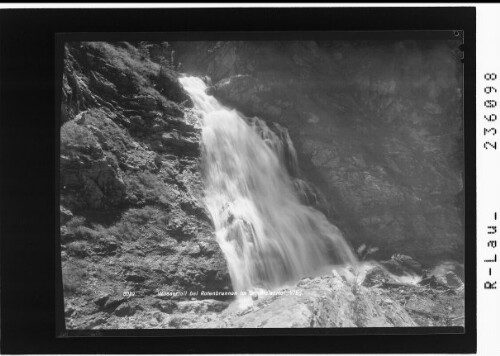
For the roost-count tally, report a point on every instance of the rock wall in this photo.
(377, 127)
(131, 217)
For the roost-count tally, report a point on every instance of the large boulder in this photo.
(327, 301)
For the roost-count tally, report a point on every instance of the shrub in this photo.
(129, 60)
(143, 49)
(86, 233)
(75, 222)
(76, 229)
(78, 249)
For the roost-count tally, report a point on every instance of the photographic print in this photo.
(262, 184)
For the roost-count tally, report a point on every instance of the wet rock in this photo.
(432, 282)
(169, 85)
(101, 85)
(401, 264)
(393, 267)
(376, 277)
(409, 263)
(144, 102)
(101, 301)
(207, 80)
(318, 302)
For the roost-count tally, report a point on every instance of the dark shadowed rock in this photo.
(144, 102)
(432, 282)
(135, 277)
(101, 301)
(65, 215)
(377, 276)
(109, 303)
(409, 263)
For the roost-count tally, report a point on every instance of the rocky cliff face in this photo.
(377, 127)
(131, 217)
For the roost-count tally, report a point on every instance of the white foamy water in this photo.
(269, 238)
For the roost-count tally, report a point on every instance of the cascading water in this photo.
(269, 238)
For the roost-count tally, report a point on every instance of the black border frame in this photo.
(382, 36)
(26, 293)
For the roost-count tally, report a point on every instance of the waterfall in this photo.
(268, 236)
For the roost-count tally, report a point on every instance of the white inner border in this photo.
(488, 167)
